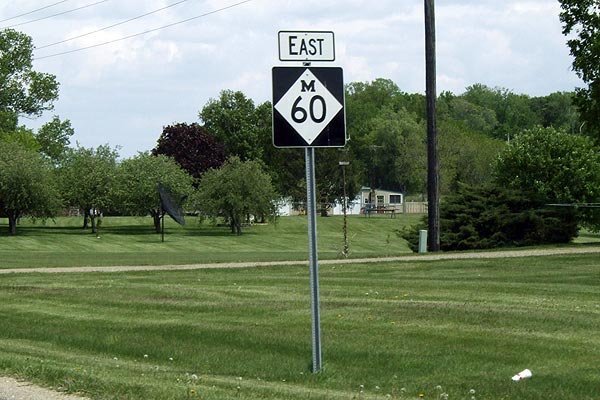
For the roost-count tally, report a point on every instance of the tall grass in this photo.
(459, 329)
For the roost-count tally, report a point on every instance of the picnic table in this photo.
(380, 210)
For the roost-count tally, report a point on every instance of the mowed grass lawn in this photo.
(460, 328)
(132, 241)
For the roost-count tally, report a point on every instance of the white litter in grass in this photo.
(522, 375)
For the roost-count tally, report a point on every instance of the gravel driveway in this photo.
(12, 389)
(407, 258)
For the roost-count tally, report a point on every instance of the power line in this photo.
(110, 26)
(576, 205)
(34, 11)
(56, 15)
(145, 32)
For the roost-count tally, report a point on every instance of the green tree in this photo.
(581, 23)
(397, 152)
(513, 112)
(235, 191)
(380, 120)
(557, 110)
(364, 100)
(87, 177)
(560, 167)
(466, 156)
(474, 117)
(232, 120)
(54, 138)
(492, 216)
(27, 185)
(23, 91)
(137, 184)
(22, 136)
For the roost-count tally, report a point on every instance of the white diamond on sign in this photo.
(308, 106)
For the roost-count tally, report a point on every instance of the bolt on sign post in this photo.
(308, 112)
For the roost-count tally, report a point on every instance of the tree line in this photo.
(489, 138)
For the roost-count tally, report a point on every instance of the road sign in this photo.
(306, 46)
(308, 107)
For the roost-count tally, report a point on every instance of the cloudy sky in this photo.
(123, 93)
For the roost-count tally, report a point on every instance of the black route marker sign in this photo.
(308, 107)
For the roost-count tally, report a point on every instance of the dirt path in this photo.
(407, 258)
(12, 389)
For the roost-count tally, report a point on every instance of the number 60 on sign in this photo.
(308, 107)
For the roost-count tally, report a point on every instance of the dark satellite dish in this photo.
(171, 203)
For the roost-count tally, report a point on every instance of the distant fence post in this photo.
(422, 241)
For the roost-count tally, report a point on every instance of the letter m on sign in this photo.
(310, 87)
(308, 107)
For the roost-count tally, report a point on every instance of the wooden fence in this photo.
(414, 207)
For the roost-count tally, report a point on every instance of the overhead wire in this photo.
(57, 14)
(576, 205)
(144, 32)
(34, 11)
(110, 26)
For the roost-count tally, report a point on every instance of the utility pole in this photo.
(433, 172)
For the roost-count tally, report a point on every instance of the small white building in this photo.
(377, 201)
(380, 199)
(369, 200)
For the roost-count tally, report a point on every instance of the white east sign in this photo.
(306, 46)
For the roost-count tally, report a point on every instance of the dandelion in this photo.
(377, 388)
(438, 387)
(116, 358)
(170, 358)
(145, 355)
(444, 396)
(472, 391)
(194, 377)
(421, 395)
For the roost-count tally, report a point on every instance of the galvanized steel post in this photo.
(313, 258)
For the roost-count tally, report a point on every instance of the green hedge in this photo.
(493, 216)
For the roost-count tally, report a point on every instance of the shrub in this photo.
(494, 216)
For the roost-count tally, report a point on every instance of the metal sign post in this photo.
(313, 260)
(308, 112)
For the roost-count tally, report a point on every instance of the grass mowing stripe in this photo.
(461, 324)
(131, 241)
